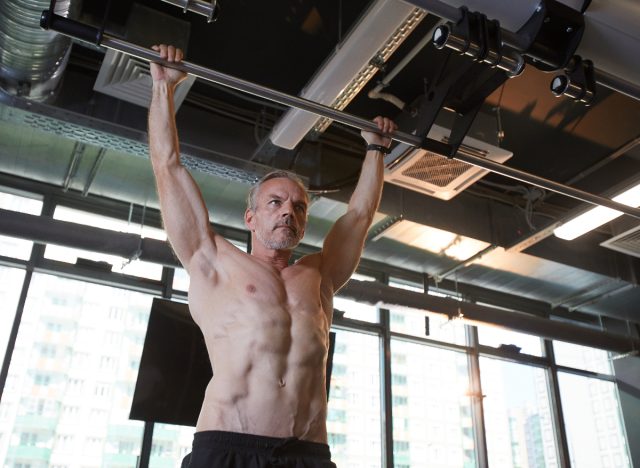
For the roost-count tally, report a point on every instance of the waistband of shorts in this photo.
(290, 445)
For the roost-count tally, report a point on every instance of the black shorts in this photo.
(219, 449)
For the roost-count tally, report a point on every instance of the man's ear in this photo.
(248, 219)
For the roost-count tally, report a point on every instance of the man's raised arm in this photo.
(343, 245)
(184, 213)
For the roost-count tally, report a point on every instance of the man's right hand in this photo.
(160, 73)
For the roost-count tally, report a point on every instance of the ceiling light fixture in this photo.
(380, 31)
(434, 240)
(597, 216)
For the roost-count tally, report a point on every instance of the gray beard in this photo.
(284, 244)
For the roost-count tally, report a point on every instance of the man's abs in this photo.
(268, 345)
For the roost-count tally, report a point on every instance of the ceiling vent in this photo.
(128, 78)
(627, 242)
(434, 174)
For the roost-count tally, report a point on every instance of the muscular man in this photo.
(265, 322)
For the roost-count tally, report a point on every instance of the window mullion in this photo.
(477, 404)
(556, 408)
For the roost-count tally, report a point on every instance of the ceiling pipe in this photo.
(376, 93)
(32, 60)
(46, 230)
(393, 298)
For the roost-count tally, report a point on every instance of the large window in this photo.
(170, 445)
(595, 432)
(10, 286)
(432, 421)
(68, 394)
(353, 420)
(10, 246)
(437, 327)
(582, 357)
(517, 415)
(509, 341)
(181, 280)
(356, 310)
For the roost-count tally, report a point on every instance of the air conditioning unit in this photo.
(434, 174)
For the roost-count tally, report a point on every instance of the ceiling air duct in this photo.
(32, 60)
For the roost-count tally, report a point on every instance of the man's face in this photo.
(280, 216)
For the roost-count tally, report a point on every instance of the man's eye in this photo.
(275, 202)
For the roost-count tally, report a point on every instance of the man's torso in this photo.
(267, 333)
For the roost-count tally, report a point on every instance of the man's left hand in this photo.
(385, 125)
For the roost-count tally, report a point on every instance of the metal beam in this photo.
(81, 31)
(45, 230)
(393, 298)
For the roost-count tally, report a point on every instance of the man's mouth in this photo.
(286, 226)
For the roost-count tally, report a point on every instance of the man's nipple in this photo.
(251, 288)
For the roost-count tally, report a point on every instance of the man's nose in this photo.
(287, 209)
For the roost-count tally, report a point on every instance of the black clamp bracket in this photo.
(553, 34)
(476, 64)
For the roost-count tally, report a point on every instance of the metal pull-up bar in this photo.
(78, 30)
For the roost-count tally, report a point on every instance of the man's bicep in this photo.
(184, 214)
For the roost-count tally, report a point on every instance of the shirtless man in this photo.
(265, 322)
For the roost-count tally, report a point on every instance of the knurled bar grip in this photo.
(81, 31)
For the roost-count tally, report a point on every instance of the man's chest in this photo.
(291, 294)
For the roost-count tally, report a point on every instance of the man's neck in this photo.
(279, 259)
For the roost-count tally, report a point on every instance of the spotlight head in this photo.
(440, 36)
(577, 83)
(559, 85)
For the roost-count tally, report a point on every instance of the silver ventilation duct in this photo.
(32, 60)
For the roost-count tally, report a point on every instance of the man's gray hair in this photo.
(253, 193)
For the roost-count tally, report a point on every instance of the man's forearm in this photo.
(368, 191)
(163, 136)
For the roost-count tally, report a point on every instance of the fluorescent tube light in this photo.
(597, 216)
(434, 240)
(382, 28)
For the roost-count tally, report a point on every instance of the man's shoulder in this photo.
(313, 260)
